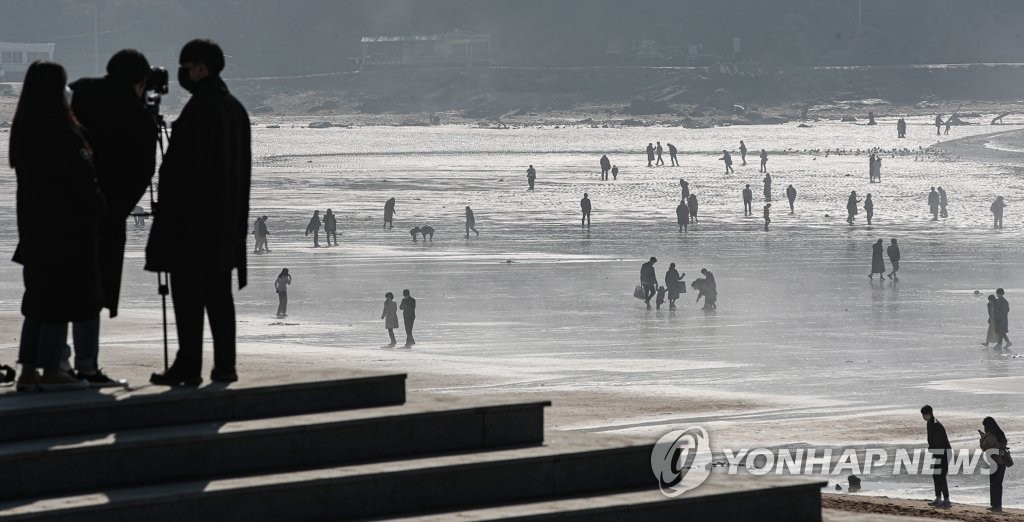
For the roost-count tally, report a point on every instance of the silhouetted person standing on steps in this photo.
(877, 263)
(470, 222)
(204, 187)
(764, 160)
(869, 207)
(748, 198)
(585, 206)
(767, 215)
(314, 227)
(672, 155)
(743, 152)
(649, 280)
(933, 204)
(408, 307)
(943, 202)
(682, 215)
(727, 158)
(650, 154)
(851, 207)
(330, 227)
(997, 212)
(893, 251)
(791, 196)
(606, 165)
(389, 213)
(658, 150)
(1002, 317)
(531, 176)
(938, 447)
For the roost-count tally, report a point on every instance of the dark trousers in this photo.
(42, 343)
(586, 218)
(747, 209)
(649, 291)
(408, 330)
(194, 293)
(995, 486)
(86, 335)
(282, 303)
(941, 465)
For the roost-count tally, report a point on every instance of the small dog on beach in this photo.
(425, 230)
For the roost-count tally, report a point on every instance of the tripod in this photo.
(162, 278)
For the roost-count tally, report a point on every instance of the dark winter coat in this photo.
(937, 439)
(877, 263)
(1002, 315)
(408, 307)
(57, 187)
(203, 211)
(330, 222)
(123, 138)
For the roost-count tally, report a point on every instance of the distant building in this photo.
(16, 57)
(452, 48)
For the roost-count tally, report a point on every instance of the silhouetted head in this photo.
(284, 272)
(653, 260)
(389, 296)
(659, 143)
(264, 218)
(991, 427)
(128, 67)
(926, 413)
(584, 195)
(1000, 292)
(316, 212)
(741, 142)
(724, 151)
(868, 195)
(748, 185)
(42, 101)
(531, 166)
(933, 189)
(467, 207)
(991, 298)
(671, 266)
(879, 242)
(766, 205)
(405, 292)
(853, 192)
(203, 51)
(704, 271)
(893, 241)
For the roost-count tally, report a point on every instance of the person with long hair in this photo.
(281, 287)
(993, 438)
(990, 335)
(53, 165)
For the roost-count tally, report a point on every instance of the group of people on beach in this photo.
(330, 225)
(390, 316)
(648, 289)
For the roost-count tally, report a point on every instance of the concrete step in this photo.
(37, 415)
(567, 465)
(722, 497)
(423, 426)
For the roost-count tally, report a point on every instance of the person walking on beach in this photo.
(997, 212)
(869, 207)
(727, 158)
(531, 176)
(650, 154)
(672, 152)
(390, 316)
(893, 251)
(767, 215)
(658, 150)
(871, 168)
(748, 198)
(743, 152)
(851, 207)
(943, 202)
(685, 187)
(938, 124)
(281, 287)
(606, 165)
(933, 204)
(408, 308)
(767, 187)
(389, 213)
(649, 280)
(314, 227)
(1002, 315)
(994, 439)
(877, 263)
(901, 128)
(265, 233)
(710, 290)
(258, 234)
(878, 169)
(330, 227)
(990, 334)
(949, 123)
(470, 222)
(764, 160)
(939, 447)
(675, 285)
(615, 172)
(691, 203)
(682, 215)
(585, 207)
(791, 196)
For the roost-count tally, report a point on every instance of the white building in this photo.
(15, 57)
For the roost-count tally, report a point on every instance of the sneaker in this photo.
(223, 376)
(995, 509)
(57, 381)
(101, 380)
(28, 381)
(935, 503)
(946, 504)
(171, 378)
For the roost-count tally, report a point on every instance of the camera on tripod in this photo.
(156, 87)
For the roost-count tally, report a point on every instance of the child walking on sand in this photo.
(390, 316)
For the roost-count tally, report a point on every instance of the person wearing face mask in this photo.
(200, 225)
(123, 137)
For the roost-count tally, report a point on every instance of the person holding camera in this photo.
(201, 221)
(53, 165)
(123, 137)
